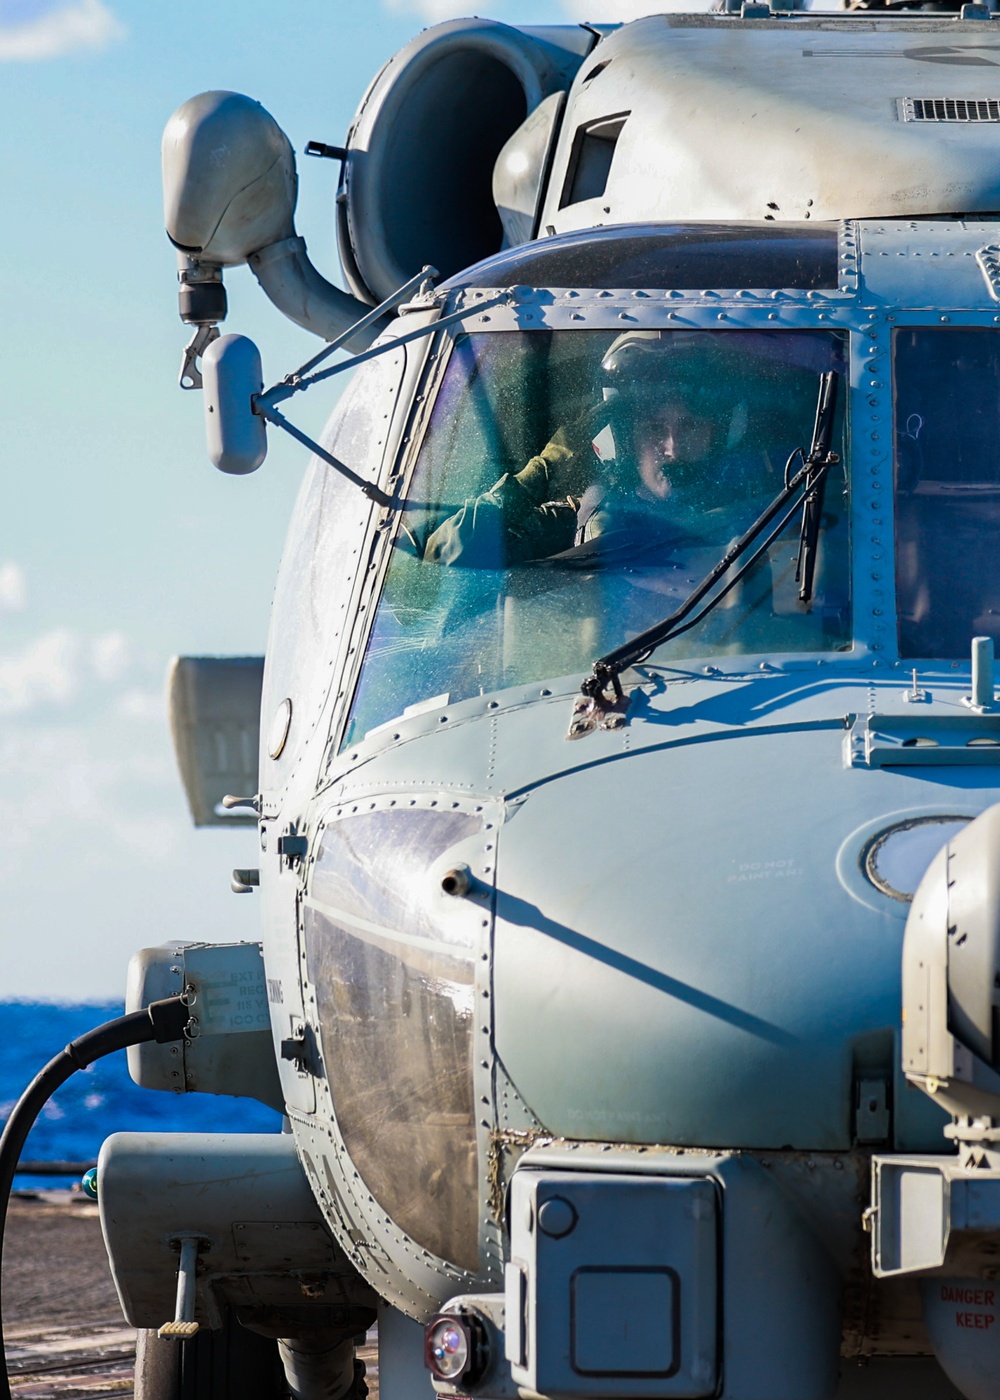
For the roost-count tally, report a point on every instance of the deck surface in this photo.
(63, 1326)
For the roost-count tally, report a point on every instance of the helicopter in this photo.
(625, 755)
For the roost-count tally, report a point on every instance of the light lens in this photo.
(277, 735)
(897, 859)
(448, 1350)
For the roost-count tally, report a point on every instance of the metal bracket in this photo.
(190, 375)
(597, 709)
(983, 697)
(230, 801)
(930, 1213)
(183, 1324)
(988, 259)
(265, 404)
(320, 148)
(871, 1115)
(914, 740)
(293, 1049)
(293, 847)
(916, 695)
(244, 880)
(296, 1047)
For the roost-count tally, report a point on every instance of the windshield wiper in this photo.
(602, 702)
(817, 463)
(265, 405)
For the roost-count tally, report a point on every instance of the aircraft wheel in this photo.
(230, 1363)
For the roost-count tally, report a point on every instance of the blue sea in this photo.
(101, 1100)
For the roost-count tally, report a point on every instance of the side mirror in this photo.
(232, 374)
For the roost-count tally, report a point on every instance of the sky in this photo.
(120, 545)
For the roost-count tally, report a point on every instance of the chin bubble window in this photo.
(395, 989)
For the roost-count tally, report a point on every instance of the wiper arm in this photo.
(602, 700)
(817, 463)
(265, 405)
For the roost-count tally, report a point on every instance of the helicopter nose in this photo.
(666, 932)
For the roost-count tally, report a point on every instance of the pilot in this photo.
(664, 455)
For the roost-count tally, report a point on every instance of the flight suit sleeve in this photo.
(501, 527)
(517, 519)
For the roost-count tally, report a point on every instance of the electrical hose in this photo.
(162, 1021)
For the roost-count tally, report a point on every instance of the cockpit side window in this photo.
(947, 438)
(319, 565)
(571, 490)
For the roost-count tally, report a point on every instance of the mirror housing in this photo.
(229, 193)
(229, 181)
(232, 374)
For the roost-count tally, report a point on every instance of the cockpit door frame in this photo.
(423, 376)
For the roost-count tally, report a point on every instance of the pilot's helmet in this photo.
(651, 362)
(645, 371)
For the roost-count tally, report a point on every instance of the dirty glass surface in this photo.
(571, 490)
(395, 994)
(947, 422)
(688, 256)
(320, 559)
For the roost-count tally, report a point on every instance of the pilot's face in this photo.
(675, 436)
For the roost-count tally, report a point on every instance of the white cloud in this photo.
(46, 671)
(98, 856)
(143, 705)
(38, 29)
(434, 11)
(68, 760)
(92, 674)
(13, 588)
(60, 778)
(109, 656)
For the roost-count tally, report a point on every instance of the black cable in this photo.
(162, 1021)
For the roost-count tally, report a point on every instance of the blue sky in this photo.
(119, 544)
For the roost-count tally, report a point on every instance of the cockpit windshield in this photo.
(573, 486)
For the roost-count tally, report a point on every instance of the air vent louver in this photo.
(950, 109)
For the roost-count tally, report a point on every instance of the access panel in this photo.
(612, 1288)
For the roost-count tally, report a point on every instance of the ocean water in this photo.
(100, 1100)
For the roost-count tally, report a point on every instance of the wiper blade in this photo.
(602, 700)
(818, 462)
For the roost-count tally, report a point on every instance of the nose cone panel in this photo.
(676, 960)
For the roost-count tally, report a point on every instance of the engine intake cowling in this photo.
(417, 182)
